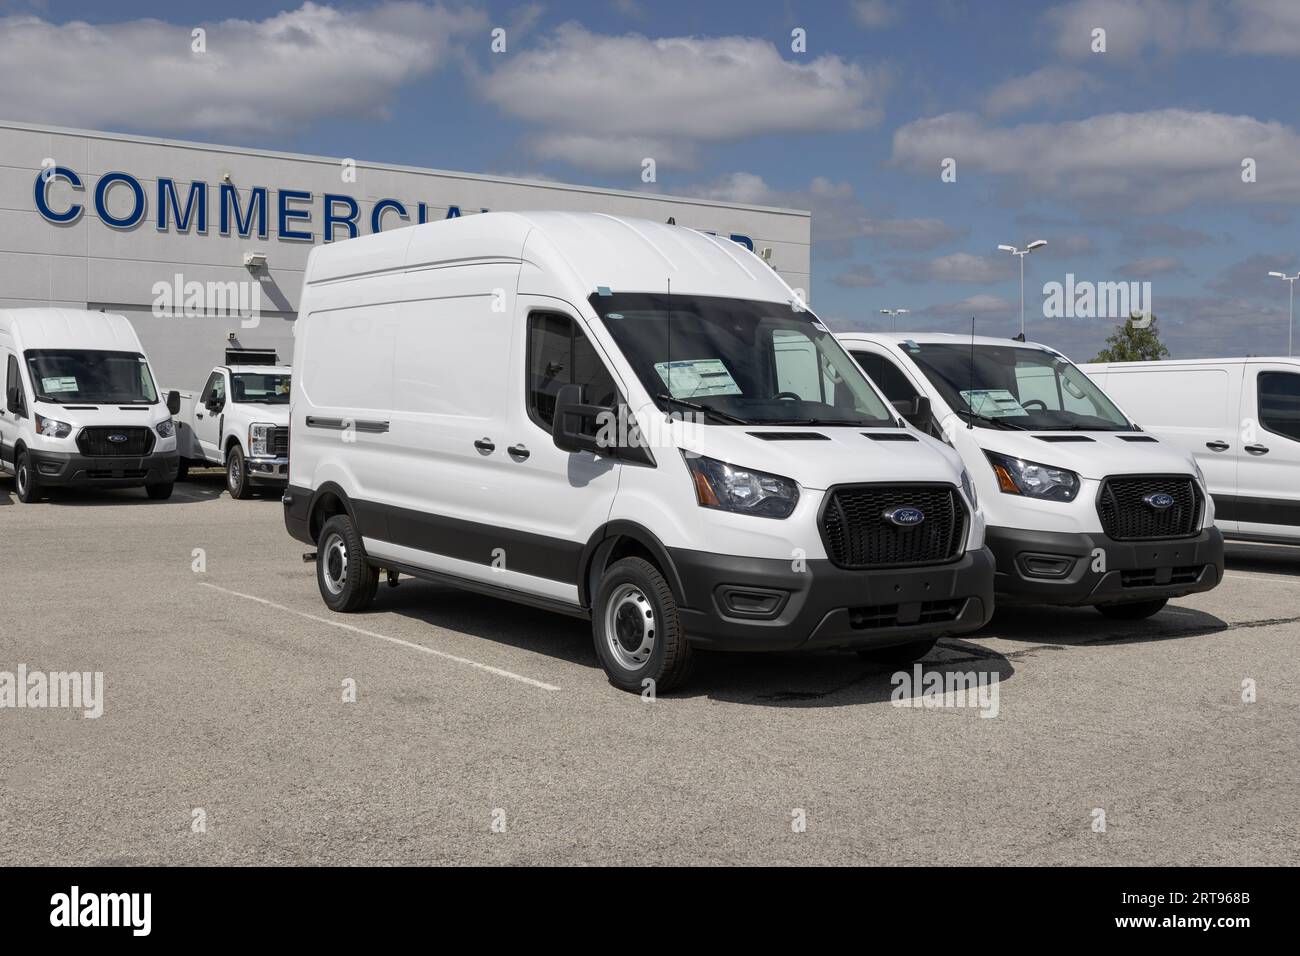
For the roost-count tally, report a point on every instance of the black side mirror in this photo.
(174, 402)
(918, 412)
(13, 398)
(575, 425)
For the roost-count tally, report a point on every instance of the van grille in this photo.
(98, 441)
(1126, 515)
(280, 441)
(857, 535)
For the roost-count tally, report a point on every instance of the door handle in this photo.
(519, 452)
(1257, 449)
(1217, 445)
(198, 414)
(485, 445)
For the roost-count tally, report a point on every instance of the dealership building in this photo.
(200, 246)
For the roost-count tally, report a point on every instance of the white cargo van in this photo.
(1083, 507)
(80, 405)
(1240, 418)
(621, 420)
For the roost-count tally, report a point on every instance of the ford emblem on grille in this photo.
(1160, 501)
(903, 517)
(117, 438)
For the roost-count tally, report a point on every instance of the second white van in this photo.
(1083, 507)
(625, 421)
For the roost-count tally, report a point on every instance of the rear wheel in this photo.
(26, 481)
(1134, 611)
(636, 630)
(347, 581)
(237, 480)
(159, 492)
(900, 654)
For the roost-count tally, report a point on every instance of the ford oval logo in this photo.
(903, 517)
(118, 439)
(1160, 501)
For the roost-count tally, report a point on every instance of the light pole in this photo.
(1290, 322)
(1021, 253)
(893, 317)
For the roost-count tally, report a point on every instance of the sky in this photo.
(921, 135)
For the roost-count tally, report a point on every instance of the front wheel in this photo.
(1134, 611)
(346, 579)
(636, 630)
(159, 492)
(26, 482)
(237, 480)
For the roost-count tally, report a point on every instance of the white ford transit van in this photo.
(1083, 507)
(621, 420)
(1240, 418)
(80, 405)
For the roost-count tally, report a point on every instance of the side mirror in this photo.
(573, 419)
(174, 402)
(13, 399)
(918, 412)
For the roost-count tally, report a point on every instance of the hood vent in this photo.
(82, 408)
(890, 436)
(1137, 438)
(789, 436)
(1064, 438)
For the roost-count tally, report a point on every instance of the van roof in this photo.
(1178, 363)
(70, 329)
(938, 338)
(584, 250)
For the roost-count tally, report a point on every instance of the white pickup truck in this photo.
(240, 421)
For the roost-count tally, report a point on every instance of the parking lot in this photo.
(485, 732)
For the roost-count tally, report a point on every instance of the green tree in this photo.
(1134, 341)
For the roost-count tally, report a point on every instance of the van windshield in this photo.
(260, 388)
(83, 376)
(740, 361)
(1016, 387)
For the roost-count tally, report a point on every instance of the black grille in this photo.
(280, 441)
(857, 534)
(1152, 577)
(97, 441)
(1125, 515)
(898, 615)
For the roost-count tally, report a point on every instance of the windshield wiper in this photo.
(856, 423)
(706, 409)
(996, 422)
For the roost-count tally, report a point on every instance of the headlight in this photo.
(165, 428)
(1019, 477)
(51, 428)
(259, 440)
(968, 486)
(742, 490)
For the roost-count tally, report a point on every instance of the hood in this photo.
(1091, 454)
(271, 414)
(79, 416)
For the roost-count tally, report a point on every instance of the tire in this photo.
(183, 469)
(237, 480)
(900, 654)
(1134, 611)
(636, 629)
(347, 581)
(159, 492)
(26, 482)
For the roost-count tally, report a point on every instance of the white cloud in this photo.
(975, 305)
(1050, 86)
(958, 267)
(257, 75)
(1138, 162)
(860, 277)
(1268, 27)
(1152, 266)
(874, 14)
(662, 97)
(1135, 27)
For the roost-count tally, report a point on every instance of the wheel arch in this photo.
(620, 539)
(327, 501)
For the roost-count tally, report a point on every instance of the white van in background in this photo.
(1240, 418)
(80, 405)
(625, 421)
(1083, 507)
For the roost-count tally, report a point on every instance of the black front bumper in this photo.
(1071, 569)
(752, 604)
(55, 469)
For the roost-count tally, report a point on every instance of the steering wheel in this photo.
(790, 395)
(1042, 405)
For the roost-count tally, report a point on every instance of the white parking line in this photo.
(384, 637)
(1267, 578)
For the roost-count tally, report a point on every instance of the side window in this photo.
(214, 393)
(12, 378)
(887, 376)
(1279, 403)
(559, 354)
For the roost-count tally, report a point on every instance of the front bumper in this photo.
(1074, 569)
(56, 469)
(750, 604)
(267, 471)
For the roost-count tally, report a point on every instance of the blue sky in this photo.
(1127, 161)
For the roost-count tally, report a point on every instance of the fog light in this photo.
(759, 603)
(1046, 565)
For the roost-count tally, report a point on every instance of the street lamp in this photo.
(1021, 253)
(893, 316)
(1290, 322)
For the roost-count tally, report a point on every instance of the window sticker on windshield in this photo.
(993, 403)
(697, 378)
(59, 383)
